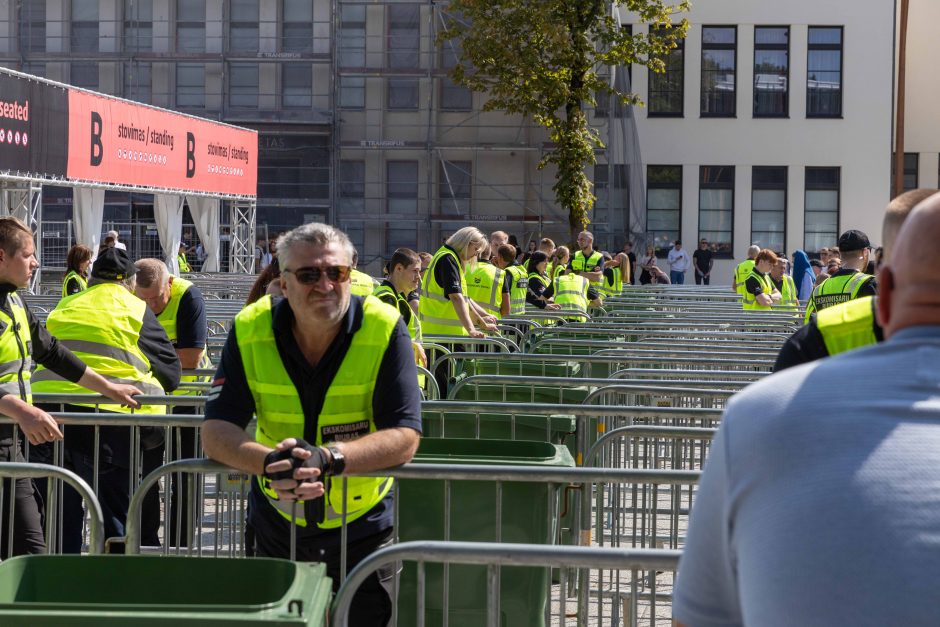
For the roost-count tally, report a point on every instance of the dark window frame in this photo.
(763, 186)
(718, 254)
(841, 48)
(650, 112)
(733, 47)
(838, 190)
(662, 252)
(786, 48)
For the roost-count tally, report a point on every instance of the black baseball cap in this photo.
(853, 240)
(113, 264)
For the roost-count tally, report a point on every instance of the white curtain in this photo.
(87, 213)
(205, 212)
(168, 211)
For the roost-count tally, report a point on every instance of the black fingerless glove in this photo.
(318, 459)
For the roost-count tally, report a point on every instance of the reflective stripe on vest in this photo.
(848, 326)
(741, 272)
(101, 325)
(82, 283)
(167, 319)
(580, 264)
(15, 350)
(570, 293)
(518, 289)
(485, 287)
(788, 292)
(750, 300)
(360, 283)
(347, 408)
(436, 311)
(836, 290)
(411, 318)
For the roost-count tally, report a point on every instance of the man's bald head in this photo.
(897, 211)
(909, 283)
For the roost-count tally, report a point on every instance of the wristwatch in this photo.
(338, 465)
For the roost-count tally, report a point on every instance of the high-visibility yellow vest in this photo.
(82, 283)
(580, 264)
(167, 319)
(848, 326)
(612, 289)
(361, 284)
(836, 290)
(395, 299)
(750, 300)
(518, 289)
(556, 272)
(101, 325)
(570, 292)
(183, 264)
(541, 277)
(485, 287)
(437, 313)
(347, 408)
(741, 272)
(788, 293)
(15, 359)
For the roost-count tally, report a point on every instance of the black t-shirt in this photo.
(807, 344)
(403, 307)
(753, 286)
(702, 259)
(396, 402)
(447, 274)
(72, 286)
(507, 281)
(191, 328)
(536, 289)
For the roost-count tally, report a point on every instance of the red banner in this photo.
(117, 142)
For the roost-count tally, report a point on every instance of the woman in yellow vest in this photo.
(181, 259)
(444, 308)
(560, 258)
(759, 291)
(539, 281)
(77, 264)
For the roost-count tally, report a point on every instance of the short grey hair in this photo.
(151, 271)
(312, 234)
(114, 234)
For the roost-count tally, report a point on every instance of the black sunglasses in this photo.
(308, 276)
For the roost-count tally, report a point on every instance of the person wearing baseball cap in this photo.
(115, 333)
(850, 281)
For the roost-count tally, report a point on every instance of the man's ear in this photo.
(883, 300)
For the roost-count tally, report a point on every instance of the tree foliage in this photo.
(546, 59)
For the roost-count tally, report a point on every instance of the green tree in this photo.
(545, 59)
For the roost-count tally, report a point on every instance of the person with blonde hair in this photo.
(444, 308)
(560, 257)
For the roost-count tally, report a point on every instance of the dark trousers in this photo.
(28, 509)
(179, 499)
(372, 604)
(113, 495)
(701, 279)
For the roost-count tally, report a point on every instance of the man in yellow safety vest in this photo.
(331, 378)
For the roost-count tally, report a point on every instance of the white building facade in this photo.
(777, 131)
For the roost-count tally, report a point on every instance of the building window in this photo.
(243, 85)
(663, 206)
(455, 183)
(352, 186)
(666, 89)
(401, 189)
(771, 71)
(297, 85)
(191, 85)
(138, 25)
(453, 96)
(243, 26)
(191, 25)
(822, 208)
(297, 33)
(84, 26)
(402, 94)
(351, 48)
(824, 72)
(84, 74)
(911, 165)
(716, 207)
(32, 26)
(719, 56)
(352, 92)
(404, 36)
(36, 68)
(769, 207)
(137, 81)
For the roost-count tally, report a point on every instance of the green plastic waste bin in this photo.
(150, 590)
(529, 515)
